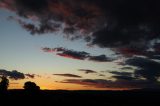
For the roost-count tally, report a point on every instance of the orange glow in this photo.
(50, 84)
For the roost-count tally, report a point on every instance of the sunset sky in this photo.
(80, 44)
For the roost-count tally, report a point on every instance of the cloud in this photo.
(120, 76)
(121, 73)
(126, 68)
(15, 75)
(124, 25)
(100, 58)
(67, 53)
(146, 68)
(124, 78)
(68, 75)
(74, 16)
(99, 83)
(140, 78)
(6, 4)
(128, 25)
(118, 84)
(80, 55)
(30, 75)
(86, 71)
(128, 52)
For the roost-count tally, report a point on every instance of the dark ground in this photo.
(75, 98)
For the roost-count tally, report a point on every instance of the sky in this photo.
(80, 44)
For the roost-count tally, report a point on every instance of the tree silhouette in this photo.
(31, 86)
(4, 84)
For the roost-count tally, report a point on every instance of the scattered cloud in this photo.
(121, 73)
(67, 53)
(87, 71)
(119, 84)
(80, 55)
(124, 78)
(142, 77)
(30, 75)
(126, 68)
(100, 58)
(68, 75)
(15, 75)
(146, 68)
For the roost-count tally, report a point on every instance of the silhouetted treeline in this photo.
(99, 98)
(32, 95)
(4, 84)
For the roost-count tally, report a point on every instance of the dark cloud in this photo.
(109, 23)
(80, 55)
(121, 73)
(126, 78)
(68, 75)
(72, 15)
(118, 84)
(67, 53)
(15, 75)
(46, 49)
(87, 71)
(100, 58)
(150, 52)
(131, 24)
(73, 55)
(99, 83)
(140, 78)
(130, 27)
(30, 6)
(129, 52)
(30, 75)
(126, 68)
(146, 68)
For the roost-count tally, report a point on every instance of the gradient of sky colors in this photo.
(80, 45)
(21, 51)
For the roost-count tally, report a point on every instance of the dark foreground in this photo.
(75, 98)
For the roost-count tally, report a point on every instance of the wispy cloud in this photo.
(30, 75)
(120, 83)
(87, 71)
(68, 75)
(80, 55)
